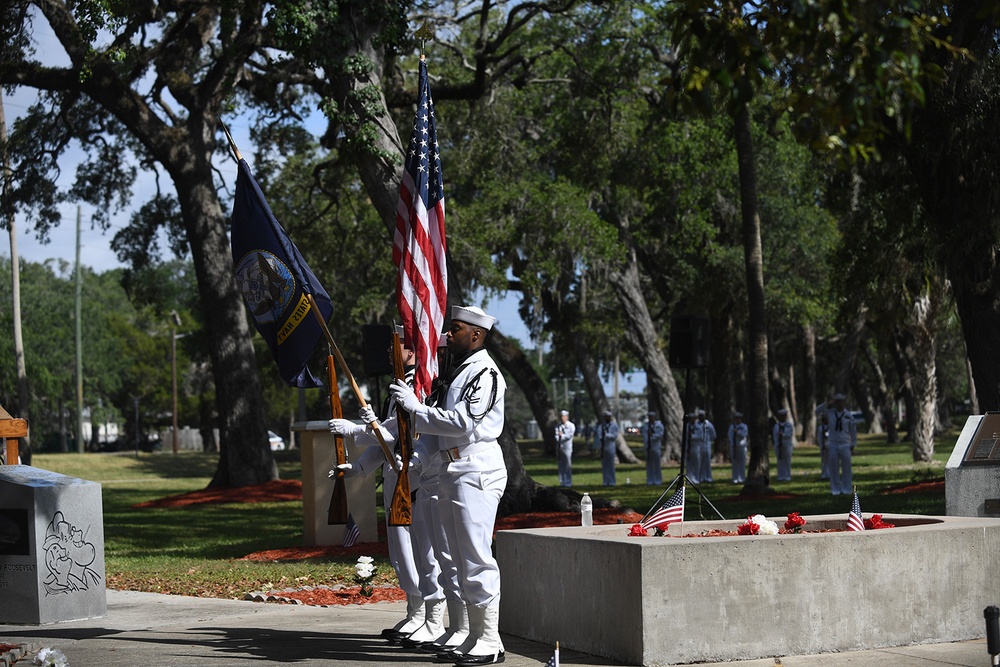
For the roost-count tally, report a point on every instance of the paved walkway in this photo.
(174, 631)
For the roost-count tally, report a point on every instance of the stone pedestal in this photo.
(972, 489)
(51, 547)
(319, 456)
(665, 601)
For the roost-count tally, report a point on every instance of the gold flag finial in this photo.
(423, 35)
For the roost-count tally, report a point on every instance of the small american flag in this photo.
(554, 660)
(854, 520)
(419, 245)
(672, 510)
(351, 531)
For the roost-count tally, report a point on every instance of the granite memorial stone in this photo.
(51, 547)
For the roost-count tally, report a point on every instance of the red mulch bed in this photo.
(278, 490)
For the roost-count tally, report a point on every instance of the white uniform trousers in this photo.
(422, 536)
(469, 492)
(840, 469)
(400, 545)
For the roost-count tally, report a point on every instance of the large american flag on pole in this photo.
(419, 244)
(671, 511)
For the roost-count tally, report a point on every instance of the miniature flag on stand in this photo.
(554, 660)
(672, 510)
(351, 531)
(854, 520)
(419, 245)
(275, 281)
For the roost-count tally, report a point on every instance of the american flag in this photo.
(554, 660)
(351, 531)
(854, 520)
(419, 245)
(672, 510)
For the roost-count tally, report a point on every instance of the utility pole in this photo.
(15, 271)
(79, 336)
(175, 322)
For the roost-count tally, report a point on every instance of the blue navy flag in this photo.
(275, 280)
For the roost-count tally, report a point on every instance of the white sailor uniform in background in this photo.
(652, 440)
(783, 437)
(695, 447)
(841, 440)
(705, 474)
(565, 430)
(468, 424)
(739, 434)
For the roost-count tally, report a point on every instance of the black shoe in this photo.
(395, 637)
(406, 642)
(387, 632)
(449, 656)
(467, 660)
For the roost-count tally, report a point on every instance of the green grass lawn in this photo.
(196, 550)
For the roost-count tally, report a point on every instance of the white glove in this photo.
(367, 415)
(347, 468)
(404, 395)
(345, 427)
(414, 465)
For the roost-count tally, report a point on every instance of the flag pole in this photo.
(229, 137)
(350, 378)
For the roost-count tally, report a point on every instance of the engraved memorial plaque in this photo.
(985, 446)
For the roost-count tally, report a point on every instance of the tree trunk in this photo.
(512, 359)
(886, 398)
(641, 334)
(921, 356)
(758, 478)
(245, 456)
(808, 414)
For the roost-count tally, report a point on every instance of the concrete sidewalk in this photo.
(175, 631)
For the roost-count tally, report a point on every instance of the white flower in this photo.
(51, 657)
(765, 525)
(368, 560)
(364, 570)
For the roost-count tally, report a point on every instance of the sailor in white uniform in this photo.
(468, 423)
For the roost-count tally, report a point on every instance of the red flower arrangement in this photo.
(876, 523)
(637, 531)
(748, 527)
(794, 522)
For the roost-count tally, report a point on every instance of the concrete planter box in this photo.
(662, 601)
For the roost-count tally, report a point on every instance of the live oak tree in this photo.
(143, 85)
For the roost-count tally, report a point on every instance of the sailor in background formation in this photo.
(739, 437)
(822, 435)
(606, 439)
(565, 430)
(467, 420)
(708, 442)
(840, 444)
(652, 440)
(783, 438)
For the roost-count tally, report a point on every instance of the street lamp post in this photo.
(175, 322)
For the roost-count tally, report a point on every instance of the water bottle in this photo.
(586, 510)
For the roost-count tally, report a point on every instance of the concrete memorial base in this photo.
(663, 601)
(51, 547)
(319, 456)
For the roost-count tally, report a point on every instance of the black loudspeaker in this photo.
(690, 340)
(376, 340)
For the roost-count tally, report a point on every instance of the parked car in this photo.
(277, 442)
